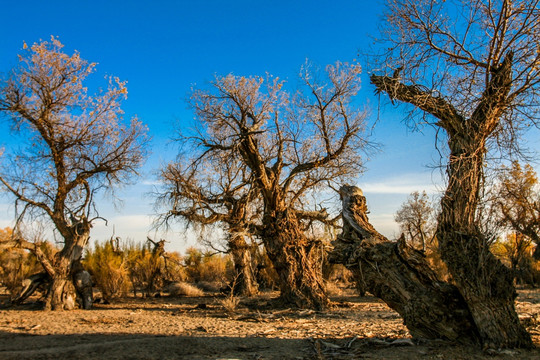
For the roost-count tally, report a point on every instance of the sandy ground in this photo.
(200, 328)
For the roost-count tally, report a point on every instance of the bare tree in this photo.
(515, 250)
(290, 146)
(471, 69)
(415, 219)
(76, 146)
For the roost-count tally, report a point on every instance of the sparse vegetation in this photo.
(72, 145)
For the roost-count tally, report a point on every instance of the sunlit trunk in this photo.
(244, 283)
(296, 259)
(69, 280)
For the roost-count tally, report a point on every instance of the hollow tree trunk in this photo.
(245, 283)
(400, 276)
(485, 283)
(296, 259)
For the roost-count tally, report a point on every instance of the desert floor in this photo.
(200, 328)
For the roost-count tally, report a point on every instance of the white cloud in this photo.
(403, 184)
(385, 224)
(5, 223)
(135, 227)
(152, 182)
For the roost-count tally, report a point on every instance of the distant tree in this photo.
(517, 202)
(286, 147)
(77, 145)
(471, 70)
(415, 219)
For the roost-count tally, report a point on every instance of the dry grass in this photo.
(184, 289)
(210, 286)
(230, 304)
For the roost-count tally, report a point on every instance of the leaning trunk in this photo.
(400, 276)
(485, 283)
(296, 259)
(244, 282)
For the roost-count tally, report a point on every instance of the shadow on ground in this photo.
(104, 346)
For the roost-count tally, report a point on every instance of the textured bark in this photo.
(64, 278)
(297, 260)
(30, 285)
(61, 294)
(400, 276)
(245, 283)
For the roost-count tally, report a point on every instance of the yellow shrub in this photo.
(109, 271)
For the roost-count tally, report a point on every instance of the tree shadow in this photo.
(22, 346)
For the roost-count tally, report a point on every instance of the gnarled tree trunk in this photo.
(400, 276)
(245, 283)
(296, 259)
(66, 272)
(64, 277)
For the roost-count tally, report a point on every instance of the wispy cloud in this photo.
(403, 184)
(5, 223)
(149, 182)
(385, 224)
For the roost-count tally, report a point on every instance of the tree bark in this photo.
(61, 294)
(83, 284)
(244, 283)
(400, 276)
(296, 259)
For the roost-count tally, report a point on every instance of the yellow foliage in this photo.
(109, 271)
(208, 267)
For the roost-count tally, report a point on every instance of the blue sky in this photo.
(162, 48)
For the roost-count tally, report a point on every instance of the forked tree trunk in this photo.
(400, 276)
(244, 283)
(296, 259)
